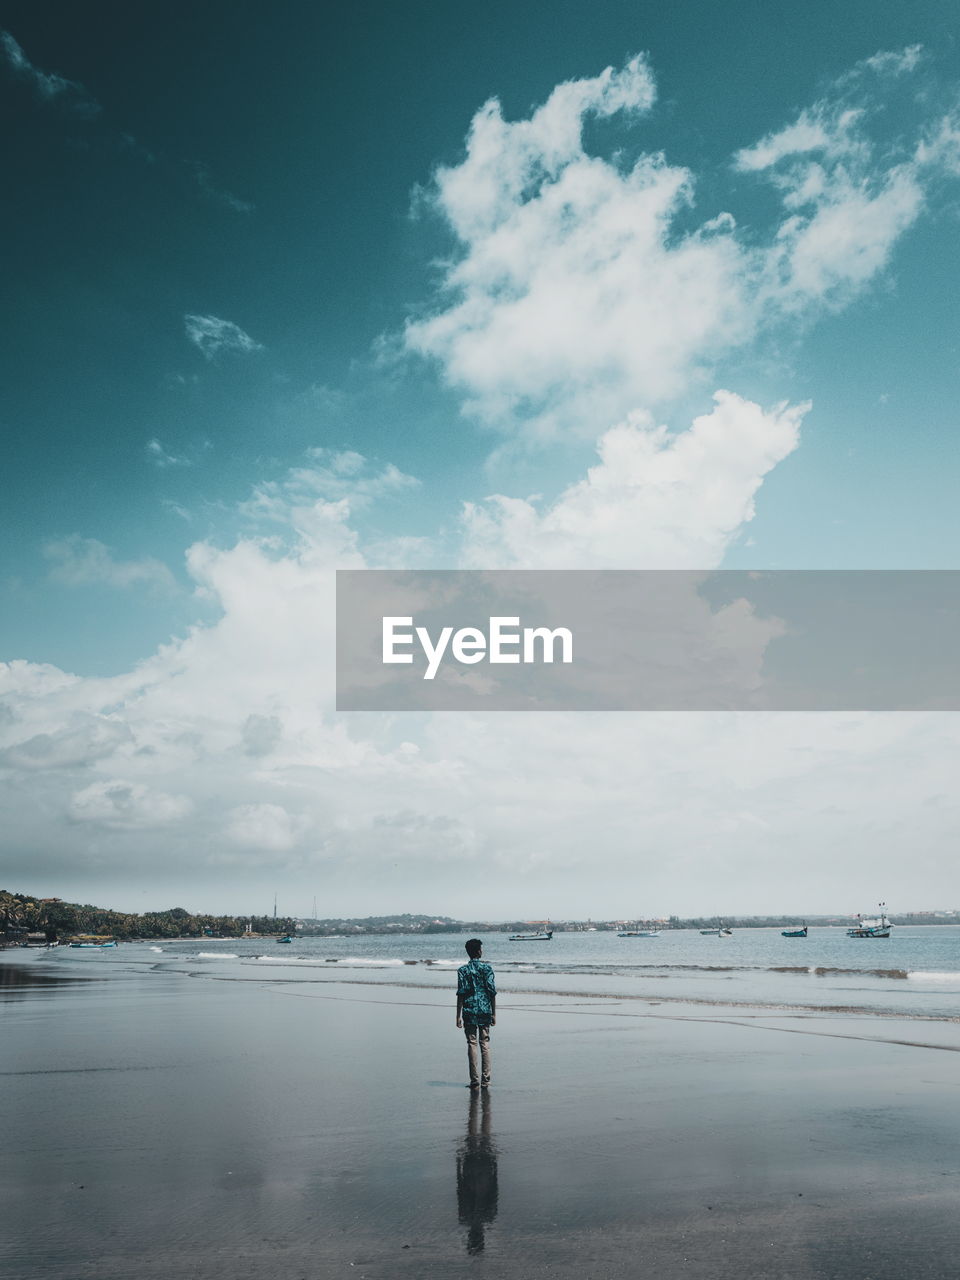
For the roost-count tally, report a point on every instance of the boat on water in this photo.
(287, 938)
(99, 946)
(637, 932)
(794, 933)
(541, 935)
(879, 928)
(721, 931)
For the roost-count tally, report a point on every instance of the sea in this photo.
(915, 973)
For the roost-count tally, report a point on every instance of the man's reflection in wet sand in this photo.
(477, 1172)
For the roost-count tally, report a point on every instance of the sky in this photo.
(293, 288)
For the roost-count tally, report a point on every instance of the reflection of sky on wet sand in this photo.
(477, 1173)
(20, 980)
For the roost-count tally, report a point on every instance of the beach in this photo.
(214, 1121)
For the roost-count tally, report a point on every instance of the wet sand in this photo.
(200, 1127)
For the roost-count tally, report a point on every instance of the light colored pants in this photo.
(478, 1038)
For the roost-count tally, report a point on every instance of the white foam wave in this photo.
(217, 955)
(927, 975)
(286, 960)
(377, 962)
(158, 950)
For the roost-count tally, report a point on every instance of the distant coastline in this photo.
(24, 917)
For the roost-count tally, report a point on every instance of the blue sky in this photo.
(265, 298)
(261, 171)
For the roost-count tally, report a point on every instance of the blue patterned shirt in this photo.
(475, 983)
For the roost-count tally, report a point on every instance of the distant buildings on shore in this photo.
(442, 924)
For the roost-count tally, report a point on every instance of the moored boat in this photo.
(542, 935)
(794, 933)
(721, 931)
(639, 933)
(879, 928)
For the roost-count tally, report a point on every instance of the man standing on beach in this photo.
(477, 1011)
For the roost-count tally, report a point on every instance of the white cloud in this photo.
(568, 309)
(47, 84)
(81, 741)
(263, 826)
(223, 751)
(505, 162)
(261, 734)
(315, 504)
(207, 185)
(127, 806)
(211, 335)
(655, 500)
(159, 456)
(329, 476)
(847, 194)
(892, 61)
(79, 562)
(30, 683)
(581, 292)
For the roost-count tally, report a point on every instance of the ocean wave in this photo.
(824, 971)
(929, 975)
(606, 970)
(217, 955)
(282, 960)
(390, 961)
(664, 970)
(317, 961)
(351, 961)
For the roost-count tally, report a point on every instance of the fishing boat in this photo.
(286, 938)
(100, 946)
(541, 935)
(721, 931)
(794, 933)
(637, 932)
(879, 928)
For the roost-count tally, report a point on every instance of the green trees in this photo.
(63, 919)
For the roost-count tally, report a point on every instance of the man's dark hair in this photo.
(473, 946)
